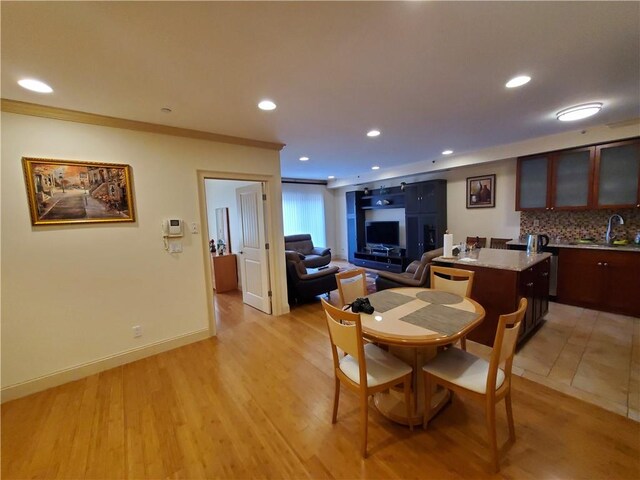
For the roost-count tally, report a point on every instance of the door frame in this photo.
(274, 236)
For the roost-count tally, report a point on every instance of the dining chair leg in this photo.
(364, 417)
(427, 399)
(407, 400)
(336, 399)
(512, 430)
(491, 427)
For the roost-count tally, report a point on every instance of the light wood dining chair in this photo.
(365, 368)
(453, 280)
(500, 243)
(351, 285)
(486, 382)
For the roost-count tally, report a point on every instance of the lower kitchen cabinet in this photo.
(600, 279)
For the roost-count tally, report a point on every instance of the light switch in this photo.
(175, 247)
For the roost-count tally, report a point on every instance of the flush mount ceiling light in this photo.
(447, 152)
(266, 105)
(518, 81)
(331, 177)
(35, 85)
(165, 110)
(578, 112)
(375, 167)
(373, 133)
(304, 159)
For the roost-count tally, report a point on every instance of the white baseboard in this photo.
(80, 371)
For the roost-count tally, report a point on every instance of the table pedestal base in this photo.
(391, 403)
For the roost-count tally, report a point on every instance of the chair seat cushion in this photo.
(462, 368)
(382, 367)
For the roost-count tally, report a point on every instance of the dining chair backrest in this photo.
(504, 345)
(500, 243)
(345, 331)
(478, 241)
(459, 281)
(351, 285)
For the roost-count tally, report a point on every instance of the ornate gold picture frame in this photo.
(66, 191)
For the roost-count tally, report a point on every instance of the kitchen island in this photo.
(502, 277)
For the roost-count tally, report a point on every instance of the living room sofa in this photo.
(416, 274)
(303, 286)
(312, 257)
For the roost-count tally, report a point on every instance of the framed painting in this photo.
(481, 191)
(65, 191)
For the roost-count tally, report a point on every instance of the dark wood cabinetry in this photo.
(597, 176)
(499, 291)
(600, 279)
(393, 262)
(423, 233)
(425, 197)
(383, 198)
(355, 224)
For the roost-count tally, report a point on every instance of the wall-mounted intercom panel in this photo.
(172, 227)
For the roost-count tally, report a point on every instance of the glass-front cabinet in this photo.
(599, 176)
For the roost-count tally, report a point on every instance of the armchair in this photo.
(416, 274)
(302, 285)
(312, 257)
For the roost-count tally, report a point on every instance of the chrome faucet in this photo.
(620, 221)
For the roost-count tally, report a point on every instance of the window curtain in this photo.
(303, 211)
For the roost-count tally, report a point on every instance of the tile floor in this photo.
(591, 355)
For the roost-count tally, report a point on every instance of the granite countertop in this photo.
(630, 247)
(516, 260)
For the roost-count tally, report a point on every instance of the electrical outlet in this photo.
(137, 331)
(195, 228)
(536, 223)
(175, 247)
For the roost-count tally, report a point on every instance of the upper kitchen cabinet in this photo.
(557, 180)
(598, 176)
(425, 197)
(617, 175)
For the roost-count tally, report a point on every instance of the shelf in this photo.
(367, 197)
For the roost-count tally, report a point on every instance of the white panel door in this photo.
(254, 263)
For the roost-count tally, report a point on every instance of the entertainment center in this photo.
(376, 244)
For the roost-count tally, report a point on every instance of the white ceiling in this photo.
(430, 75)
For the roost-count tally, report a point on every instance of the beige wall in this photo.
(502, 221)
(71, 294)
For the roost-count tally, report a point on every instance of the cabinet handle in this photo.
(552, 208)
(530, 284)
(545, 274)
(605, 264)
(599, 264)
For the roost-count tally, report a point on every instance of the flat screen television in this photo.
(383, 233)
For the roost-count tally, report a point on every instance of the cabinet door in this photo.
(580, 277)
(572, 179)
(412, 199)
(541, 290)
(414, 239)
(617, 183)
(532, 185)
(527, 290)
(622, 290)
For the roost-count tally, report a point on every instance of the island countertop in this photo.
(514, 260)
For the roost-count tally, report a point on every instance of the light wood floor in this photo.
(255, 402)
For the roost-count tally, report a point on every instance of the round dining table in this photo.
(414, 323)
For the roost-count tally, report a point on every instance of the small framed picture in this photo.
(481, 191)
(64, 191)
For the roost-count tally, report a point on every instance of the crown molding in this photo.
(36, 110)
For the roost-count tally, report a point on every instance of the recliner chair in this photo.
(303, 286)
(416, 274)
(312, 257)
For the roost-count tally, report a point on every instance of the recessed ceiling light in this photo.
(447, 152)
(375, 167)
(578, 112)
(266, 105)
(373, 133)
(331, 177)
(518, 81)
(35, 85)
(304, 159)
(165, 110)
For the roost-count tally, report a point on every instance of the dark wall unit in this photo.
(425, 216)
(425, 205)
(355, 224)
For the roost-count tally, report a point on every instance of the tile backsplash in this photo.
(573, 225)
